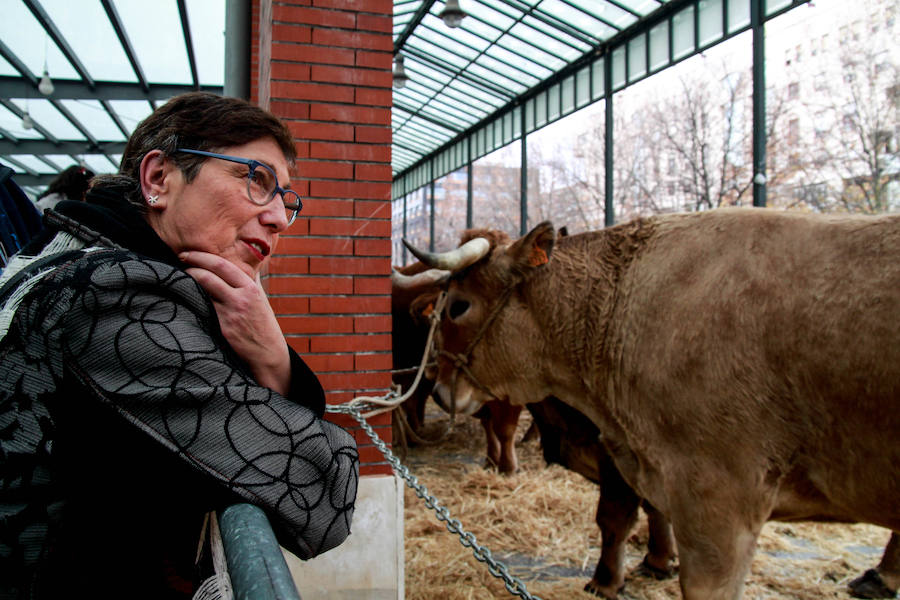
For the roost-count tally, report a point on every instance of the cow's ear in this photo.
(534, 249)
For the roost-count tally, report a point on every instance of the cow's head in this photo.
(486, 332)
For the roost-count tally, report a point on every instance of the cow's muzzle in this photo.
(463, 402)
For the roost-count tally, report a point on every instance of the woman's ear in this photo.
(154, 173)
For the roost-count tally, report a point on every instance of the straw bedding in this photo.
(540, 523)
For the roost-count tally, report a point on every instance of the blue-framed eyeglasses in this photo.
(262, 183)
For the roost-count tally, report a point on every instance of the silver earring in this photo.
(151, 200)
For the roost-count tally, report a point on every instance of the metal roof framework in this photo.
(515, 66)
(510, 68)
(97, 100)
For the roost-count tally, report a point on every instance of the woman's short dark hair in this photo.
(72, 182)
(199, 121)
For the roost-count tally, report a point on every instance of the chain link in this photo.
(514, 585)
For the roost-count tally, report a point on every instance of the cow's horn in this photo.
(453, 260)
(424, 279)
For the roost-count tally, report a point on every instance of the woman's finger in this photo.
(225, 269)
(214, 285)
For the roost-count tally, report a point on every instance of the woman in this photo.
(71, 184)
(145, 381)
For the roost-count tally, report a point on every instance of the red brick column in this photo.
(324, 67)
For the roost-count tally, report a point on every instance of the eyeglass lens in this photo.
(262, 186)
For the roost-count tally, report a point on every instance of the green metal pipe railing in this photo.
(256, 564)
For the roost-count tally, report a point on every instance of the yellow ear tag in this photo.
(538, 257)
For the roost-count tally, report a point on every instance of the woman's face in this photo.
(213, 213)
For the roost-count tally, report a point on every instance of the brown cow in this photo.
(414, 292)
(743, 365)
(570, 439)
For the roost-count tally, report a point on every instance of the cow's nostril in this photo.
(458, 308)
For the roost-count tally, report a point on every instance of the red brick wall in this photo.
(324, 67)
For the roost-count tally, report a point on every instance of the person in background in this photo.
(71, 184)
(145, 381)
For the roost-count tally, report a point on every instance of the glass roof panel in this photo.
(469, 37)
(559, 34)
(528, 58)
(468, 104)
(519, 78)
(453, 113)
(61, 160)
(27, 39)
(480, 28)
(12, 123)
(32, 162)
(404, 10)
(46, 115)
(644, 7)
(415, 92)
(100, 52)
(131, 112)
(413, 65)
(581, 20)
(546, 43)
(440, 54)
(207, 22)
(490, 14)
(162, 62)
(503, 51)
(469, 47)
(98, 163)
(93, 116)
(6, 68)
(470, 91)
(619, 16)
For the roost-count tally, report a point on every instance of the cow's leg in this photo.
(493, 444)
(716, 535)
(883, 580)
(617, 513)
(504, 422)
(660, 546)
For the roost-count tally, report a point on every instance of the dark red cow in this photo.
(570, 439)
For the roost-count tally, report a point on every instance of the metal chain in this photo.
(514, 585)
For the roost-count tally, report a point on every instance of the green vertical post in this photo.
(609, 216)
(431, 212)
(757, 24)
(469, 171)
(523, 178)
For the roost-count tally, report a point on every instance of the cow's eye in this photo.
(458, 308)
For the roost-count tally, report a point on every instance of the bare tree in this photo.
(682, 147)
(855, 153)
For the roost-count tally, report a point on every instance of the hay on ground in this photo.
(540, 523)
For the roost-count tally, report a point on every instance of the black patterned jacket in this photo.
(125, 416)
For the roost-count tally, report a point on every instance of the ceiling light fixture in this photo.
(400, 77)
(452, 14)
(45, 86)
(27, 121)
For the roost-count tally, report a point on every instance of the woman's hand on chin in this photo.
(246, 317)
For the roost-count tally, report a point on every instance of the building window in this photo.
(793, 132)
(794, 90)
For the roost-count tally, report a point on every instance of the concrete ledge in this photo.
(369, 564)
